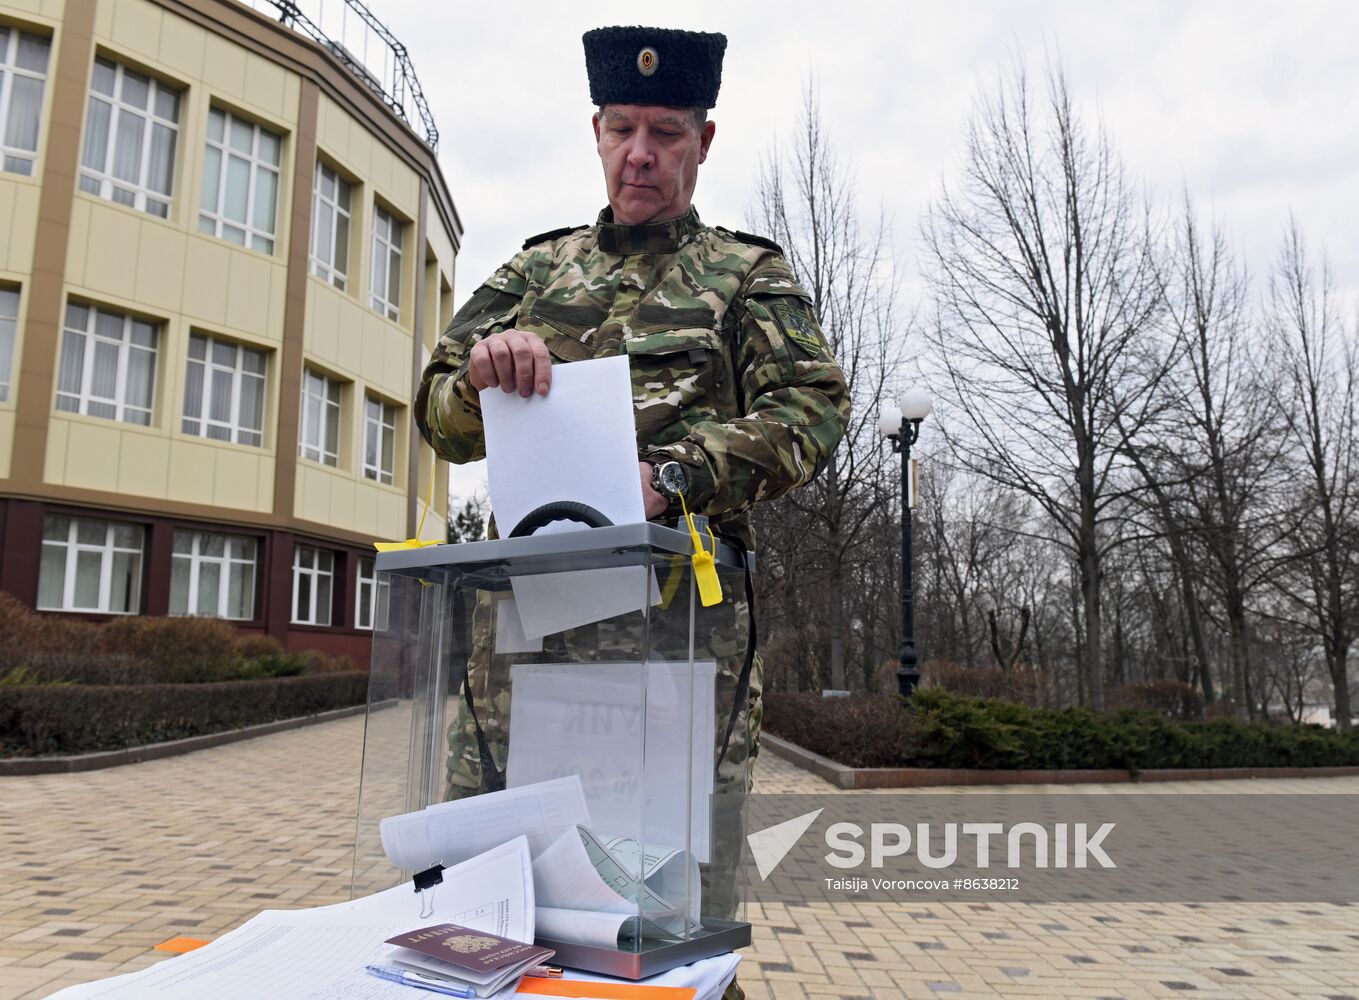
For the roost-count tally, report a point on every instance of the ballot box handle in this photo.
(559, 510)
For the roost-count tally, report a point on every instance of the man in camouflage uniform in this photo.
(736, 396)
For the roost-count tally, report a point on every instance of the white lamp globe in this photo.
(889, 423)
(915, 404)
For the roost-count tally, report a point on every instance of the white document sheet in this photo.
(509, 630)
(275, 956)
(565, 879)
(595, 928)
(585, 719)
(579, 442)
(449, 832)
(549, 603)
(319, 954)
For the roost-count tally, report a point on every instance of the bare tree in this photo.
(1046, 297)
(806, 201)
(1230, 438)
(1320, 361)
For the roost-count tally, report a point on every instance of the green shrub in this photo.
(81, 718)
(941, 729)
(51, 649)
(186, 650)
(276, 664)
(251, 646)
(88, 668)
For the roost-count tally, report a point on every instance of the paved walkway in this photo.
(97, 868)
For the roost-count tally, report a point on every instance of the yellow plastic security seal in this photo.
(705, 568)
(416, 543)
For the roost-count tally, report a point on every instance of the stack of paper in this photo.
(320, 953)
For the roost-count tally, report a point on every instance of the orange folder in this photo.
(180, 945)
(602, 991)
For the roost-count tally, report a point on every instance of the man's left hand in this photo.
(654, 503)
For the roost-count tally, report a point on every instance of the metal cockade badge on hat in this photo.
(647, 61)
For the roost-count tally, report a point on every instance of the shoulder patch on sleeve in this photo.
(798, 325)
(551, 234)
(750, 238)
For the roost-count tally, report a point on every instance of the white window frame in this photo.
(313, 431)
(212, 220)
(226, 564)
(378, 426)
(314, 564)
(378, 592)
(80, 402)
(323, 259)
(106, 551)
(236, 430)
(388, 232)
(9, 331)
(11, 157)
(100, 180)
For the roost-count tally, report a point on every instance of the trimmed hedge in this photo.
(50, 649)
(42, 719)
(942, 729)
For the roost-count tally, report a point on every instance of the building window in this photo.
(130, 132)
(330, 226)
(240, 181)
(23, 72)
(90, 565)
(9, 320)
(224, 391)
(386, 264)
(320, 418)
(313, 574)
(379, 440)
(213, 575)
(108, 365)
(373, 598)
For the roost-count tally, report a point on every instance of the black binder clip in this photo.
(425, 882)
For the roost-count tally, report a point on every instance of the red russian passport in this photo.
(486, 962)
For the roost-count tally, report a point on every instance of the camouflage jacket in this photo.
(731, 375)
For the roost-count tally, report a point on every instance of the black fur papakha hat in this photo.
(634, 65)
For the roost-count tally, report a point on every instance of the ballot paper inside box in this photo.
(577, 675)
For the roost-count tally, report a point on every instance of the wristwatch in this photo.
(670, 480)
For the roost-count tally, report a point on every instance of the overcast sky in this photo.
(1253, 107)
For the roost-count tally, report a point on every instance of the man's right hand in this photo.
(513, 360)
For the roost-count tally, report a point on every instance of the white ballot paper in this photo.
(585, 719)
(448, 832)
(579, 442)
(590, 889)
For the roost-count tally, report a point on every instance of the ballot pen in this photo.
(419, 982)
(546, 972)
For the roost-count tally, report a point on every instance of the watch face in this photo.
(674, 480)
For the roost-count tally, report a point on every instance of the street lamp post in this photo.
(902, 431)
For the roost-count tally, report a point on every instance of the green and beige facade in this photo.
(224, 261)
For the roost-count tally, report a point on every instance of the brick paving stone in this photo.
(197, 844)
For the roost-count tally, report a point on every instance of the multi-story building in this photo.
(226, 251)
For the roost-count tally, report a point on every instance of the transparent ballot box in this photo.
(571, 687)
